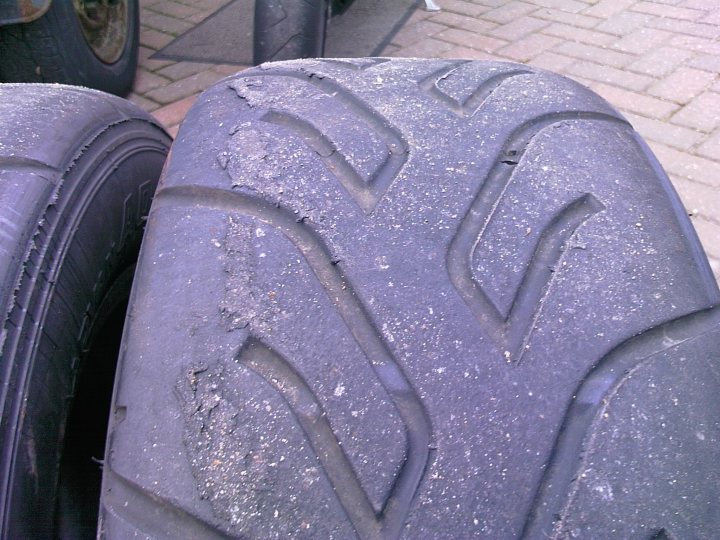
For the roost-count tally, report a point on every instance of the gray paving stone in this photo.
(528, 47)
(642, 40)
(574, 19)
(598, 55)
(711, 150)
(508, 12)
(610, 75)
(660, 62)
(701, 170)
(580, 35)
(519, 28)
(701, 113)
(663, 132)
(635, 102)
(682, 85)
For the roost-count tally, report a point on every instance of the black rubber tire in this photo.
(78, 169)
(289, 29)
(53, 49)
(415, 298)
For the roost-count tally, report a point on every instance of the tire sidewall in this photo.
(109, 192)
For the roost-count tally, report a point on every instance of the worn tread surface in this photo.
(423, 299)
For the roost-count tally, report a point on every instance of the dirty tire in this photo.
(78, 169)
(289, 29)
(53, 49)
(421, 299)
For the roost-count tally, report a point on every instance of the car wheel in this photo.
(92, 44)
(78, 169)
(288, 29)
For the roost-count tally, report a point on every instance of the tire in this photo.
(289, 29)
(55, 49)
(420, 299)
(78, 169)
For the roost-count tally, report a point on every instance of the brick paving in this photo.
(658, 61)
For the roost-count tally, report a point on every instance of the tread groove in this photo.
(342, 295)
(398, 148)
(590, 400)
(470, 106)
(512, 332)
(148, 512)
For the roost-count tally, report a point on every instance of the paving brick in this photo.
(662, 10)
(682, 164)
(464, 22)
(184, 87)
(528, 47)
(463, 8)
(687, 27)
(419, 15)
(712, 18)
(173, 9)
(605, 74)
(574, 19)
(468, 54)
(711, 149)
(642, 40)
(228, 69)
(664, 132)
(152, 39)
(552, 62)
(595, 54)
(416, 32)
(608, 8)
(707, 62)
(508, 12)
(660, 62)
(682, 85)
(694, 4)
(518, 28)
(698, 44)
(635, 102)
(427, 48)
(625, 23)
(144, 60)
(173, 114)
(146, 81)
(207, 5)
(570, 6)
(581, 35)
(464, 38)
(702, 113)
(163, 23)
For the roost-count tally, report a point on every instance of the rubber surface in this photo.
(78, 169)
(53, 49)
(289, 29)
(415, 298)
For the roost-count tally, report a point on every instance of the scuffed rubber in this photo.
(415, 299)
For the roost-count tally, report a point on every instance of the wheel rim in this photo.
(104, 25)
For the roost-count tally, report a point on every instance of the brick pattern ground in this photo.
(658, 61)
